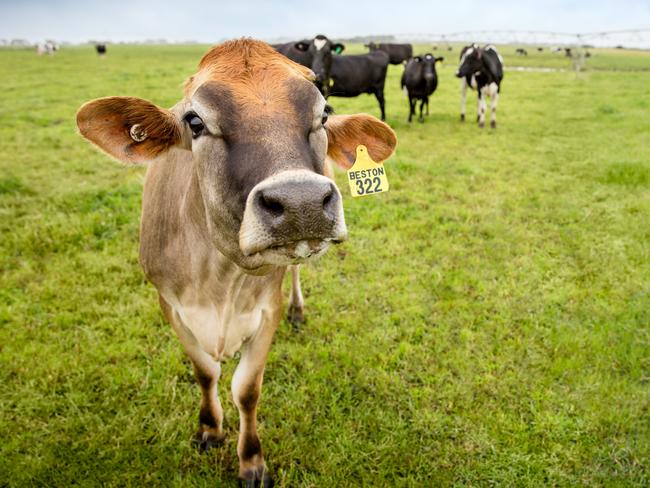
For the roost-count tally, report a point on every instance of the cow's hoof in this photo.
(462, 117)
(295, 316)
(205, 441)
(421, 120)
(493, 124)
(256, 478)
(481, 124)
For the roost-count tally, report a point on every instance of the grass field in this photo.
(487, 323)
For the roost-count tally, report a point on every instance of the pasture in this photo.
(487, 323)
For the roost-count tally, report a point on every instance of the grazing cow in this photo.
(101, 49)
(482, 69)
(520, 51)
(315, 54)
(47, 47)
(540, 49)
(362, 73)
(234, 193)
(568, 52)
(397, 53)
(420, 80)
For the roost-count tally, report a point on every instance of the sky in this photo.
(212, 21)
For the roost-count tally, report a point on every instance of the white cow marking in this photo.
(319, 43)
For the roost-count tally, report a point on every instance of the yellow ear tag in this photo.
(365, 176)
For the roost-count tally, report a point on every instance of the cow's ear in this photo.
(417, 59)
(338, 48)
(131, 130)
(346, 132)
(301, 46)
(440, 59)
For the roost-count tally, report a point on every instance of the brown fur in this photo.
(253, 71)
(346, 132)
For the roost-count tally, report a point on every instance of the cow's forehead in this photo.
(246, 62)
(237, 106)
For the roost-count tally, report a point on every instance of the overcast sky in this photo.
(210, 21)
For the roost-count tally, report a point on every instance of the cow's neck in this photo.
(179, 257)
(217, 299)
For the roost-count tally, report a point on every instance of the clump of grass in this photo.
(12, 185)
(627, 174)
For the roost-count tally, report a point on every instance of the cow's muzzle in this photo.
(291, 217)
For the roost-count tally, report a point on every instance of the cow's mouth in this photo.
(296, 252)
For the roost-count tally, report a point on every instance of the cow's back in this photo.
(356, 74)
(494, 63)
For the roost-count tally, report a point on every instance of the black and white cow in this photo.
(47, 47)
(315, 54)
(397, 53)
(420, 80)
(481, 68)
(362, 73)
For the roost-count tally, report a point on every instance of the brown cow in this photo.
(234, 193)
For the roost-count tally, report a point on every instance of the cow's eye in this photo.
(195, 123)
(326, 113)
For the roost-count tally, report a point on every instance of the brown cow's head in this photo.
(258, 133)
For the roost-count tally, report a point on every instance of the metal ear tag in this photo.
(365, 176)
(138, 133)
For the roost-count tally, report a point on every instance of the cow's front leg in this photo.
(463, 98)
(246, 389)
(480, 110)
(379, 94)
(210, 432)
(207, 372)
(295, 315)
(493, 109)
(421, 118)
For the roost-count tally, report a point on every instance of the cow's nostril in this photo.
(271, 205)
(327, 199)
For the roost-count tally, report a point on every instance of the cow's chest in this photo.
(221, 329)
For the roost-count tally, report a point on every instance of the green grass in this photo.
(487, 323)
